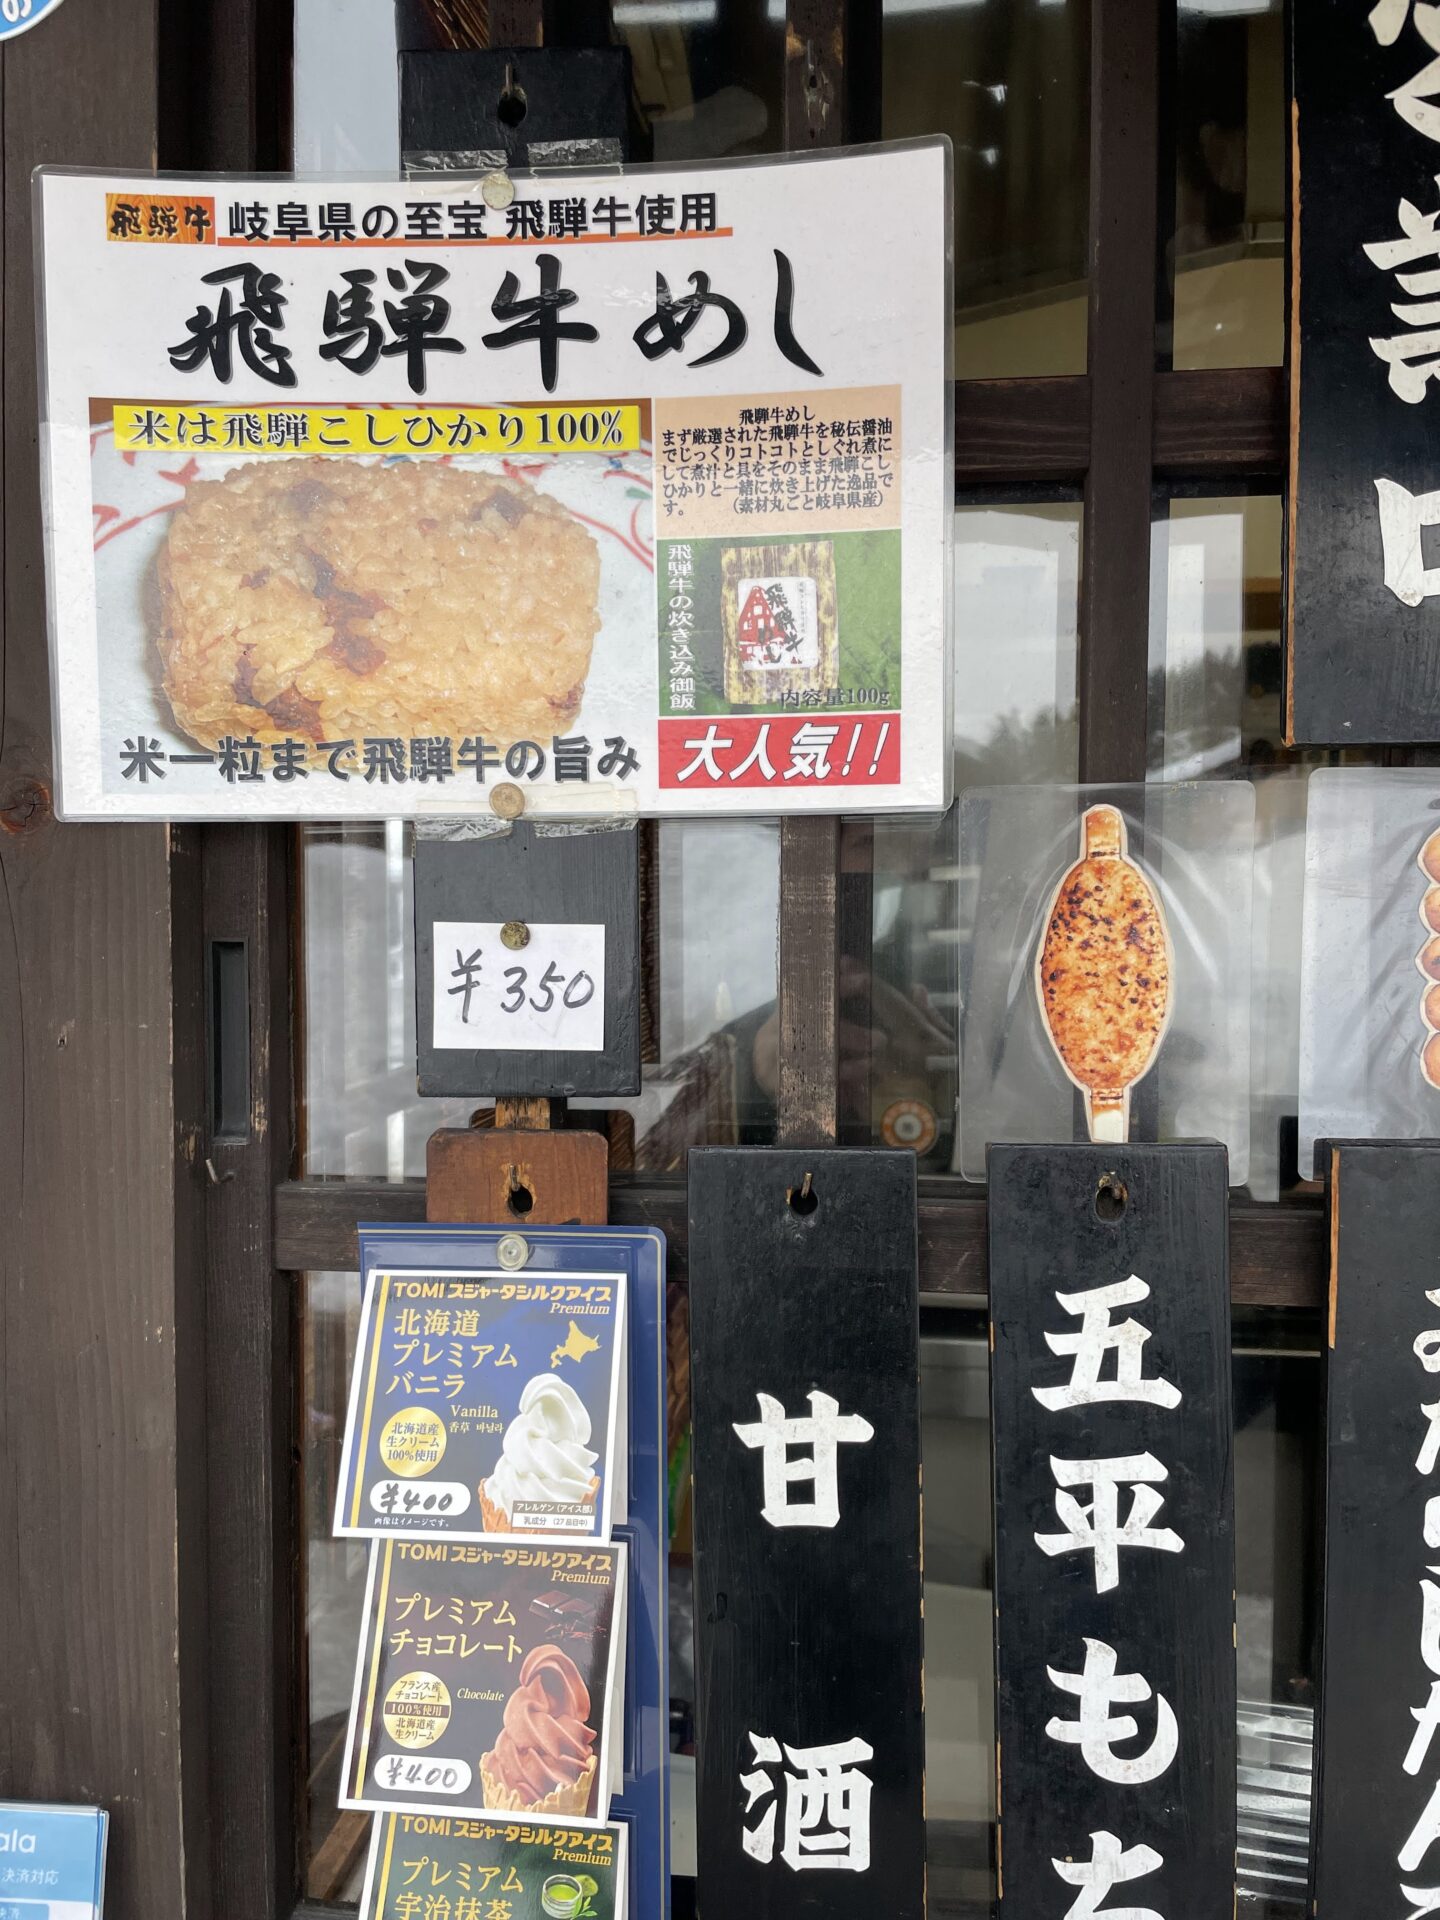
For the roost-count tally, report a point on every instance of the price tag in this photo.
(548, 993)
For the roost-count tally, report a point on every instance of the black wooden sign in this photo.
(513, 107)
(527, 977)
(1114, 1530)
(804, 1375)
(1363, 553)
(1377, 1766)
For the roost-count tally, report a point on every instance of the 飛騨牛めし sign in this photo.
(363, 497)
(1363, 565)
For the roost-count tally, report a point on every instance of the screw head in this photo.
(507, 800)
(515, 934)
(513, 1250)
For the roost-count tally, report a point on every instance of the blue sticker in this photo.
(52, 1859)
(18, 16)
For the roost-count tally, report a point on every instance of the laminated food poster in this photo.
(504, 1870)
(487, 1403)
(631, 488)
(490, 1680)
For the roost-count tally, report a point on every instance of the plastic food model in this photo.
(1103, 973)
(1428, 958)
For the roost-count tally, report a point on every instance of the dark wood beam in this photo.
(1021, 432)
(1226, 425)
(1278, 1254)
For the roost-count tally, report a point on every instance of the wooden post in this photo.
(1114, 647)
(523, 1168)
(102, 1360)
(807, 981)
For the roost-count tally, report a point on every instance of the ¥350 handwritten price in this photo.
(548, 995)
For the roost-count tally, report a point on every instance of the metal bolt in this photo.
(515, 934)
(507, 800)
(513, 1250)
(497, 190)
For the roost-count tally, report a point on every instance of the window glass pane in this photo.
(959, 1615)
(1215, 693)
(1274, 1384)
(707, 74)
(1009, 81)
(332, 1579)
(346, 99)
(1228, 253)
(1017, 575)
(710, 973)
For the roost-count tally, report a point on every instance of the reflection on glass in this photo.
(1009, 82)
(1228, 250)
(709, 952)
(1217, 694)
(1017, 573)
(1215, 710)
(959, 1620)
(707, 74)
(1274, 1386)
(332, 1576)
(1016, 601)
(345, 109)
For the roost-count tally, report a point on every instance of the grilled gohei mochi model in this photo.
(1102, 973)
(332, 599)
(1427, 959)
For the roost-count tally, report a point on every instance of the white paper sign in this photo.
(548, 994)
(362, 496)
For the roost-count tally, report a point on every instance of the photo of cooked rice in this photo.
(329, 599)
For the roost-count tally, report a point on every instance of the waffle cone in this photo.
(496, 1520)
(570, 1799)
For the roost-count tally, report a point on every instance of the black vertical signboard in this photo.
(804, 1364)
(1114, 1531)
(495, 915)
(1377, 1764)
(1363, 549)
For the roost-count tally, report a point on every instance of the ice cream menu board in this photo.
(631, 488)
(487, 1403)
(487, 1680)
(502, 1869)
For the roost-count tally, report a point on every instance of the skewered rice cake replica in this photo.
(1103, 973)
(320, 599)
(1428, 958)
